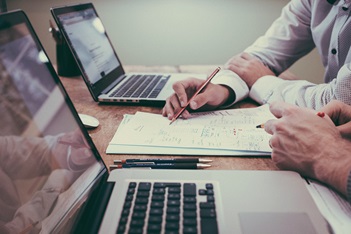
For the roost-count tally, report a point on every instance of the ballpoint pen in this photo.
(203, 86)
(161, 160)
(162, 166)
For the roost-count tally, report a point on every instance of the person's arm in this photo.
(19, 155)
(303, 93)
(309, 144)
(288, 39)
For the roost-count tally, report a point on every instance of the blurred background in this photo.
(170, 32)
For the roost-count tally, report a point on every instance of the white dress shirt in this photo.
(302, 26)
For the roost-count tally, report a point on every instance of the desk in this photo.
(111, 115)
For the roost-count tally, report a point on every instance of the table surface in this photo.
(110, 116)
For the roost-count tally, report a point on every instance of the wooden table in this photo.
(110, 117)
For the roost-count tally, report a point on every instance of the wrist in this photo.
(334, 166)
(229, 95)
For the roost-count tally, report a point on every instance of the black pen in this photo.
(161, 160)
(162, 166)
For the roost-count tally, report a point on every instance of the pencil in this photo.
(203, 86)
(260, 126)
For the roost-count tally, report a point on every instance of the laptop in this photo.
(53, 179)
(100, 66)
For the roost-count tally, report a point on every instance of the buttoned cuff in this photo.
(234, 82)
(264, 88)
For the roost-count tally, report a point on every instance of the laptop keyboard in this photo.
(168, 208)
(141, 86)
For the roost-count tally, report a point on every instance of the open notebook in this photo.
(53, 179)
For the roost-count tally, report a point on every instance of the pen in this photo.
(320, 114)
(195, 94)
(163, 166)
(160, 160)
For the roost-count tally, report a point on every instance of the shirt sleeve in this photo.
(303, 93)
(234, 82)
(288, 38)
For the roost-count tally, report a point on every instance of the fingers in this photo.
(338, 111)
(182, 91)
(172, 107)
(278, 108)
(269, 126)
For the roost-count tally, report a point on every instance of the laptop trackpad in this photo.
(275, 223)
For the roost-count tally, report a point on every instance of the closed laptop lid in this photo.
(86, 36)
(48, 161)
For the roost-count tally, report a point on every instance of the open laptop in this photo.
(53, 179)
(100, 66)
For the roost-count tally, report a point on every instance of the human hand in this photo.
(73, 152)
(340, 113)
(212, 97)
(313, 146)
(248, 67)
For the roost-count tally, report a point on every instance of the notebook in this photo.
(53, 179)
(100, 66)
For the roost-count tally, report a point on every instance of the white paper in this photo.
(224, 132)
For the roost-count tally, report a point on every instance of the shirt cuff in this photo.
(264, 88)
(234, 82)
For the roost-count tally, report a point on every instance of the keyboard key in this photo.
(137, 223)
(209, 226)
(155, 219)
(207, 205)
(189, 206)
(189, 229)
(189, 222)
(172, 226)
(151, 228)
(144, 187)
(189, 189)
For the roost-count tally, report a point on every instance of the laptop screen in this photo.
(92, 47)
(47, 158)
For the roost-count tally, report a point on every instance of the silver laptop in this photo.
(100, 66)
(53, 179)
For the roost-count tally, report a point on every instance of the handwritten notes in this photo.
(221, 132)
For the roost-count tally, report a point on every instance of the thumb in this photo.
(345, 130)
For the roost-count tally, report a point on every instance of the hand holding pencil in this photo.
(194, 94)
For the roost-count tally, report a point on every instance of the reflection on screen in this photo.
(87, 36)
(45, 162)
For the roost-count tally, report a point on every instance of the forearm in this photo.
(335, 168)
(303, 93)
